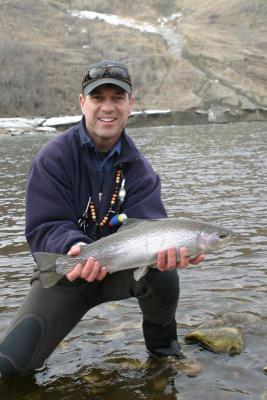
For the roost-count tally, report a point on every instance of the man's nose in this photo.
(107, 105)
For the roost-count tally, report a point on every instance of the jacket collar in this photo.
(128, 153)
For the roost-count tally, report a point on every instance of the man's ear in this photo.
(82, 101)
(132, 103)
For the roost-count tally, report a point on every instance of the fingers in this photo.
(161, 260)
(90, 271)
(183, 259)
(75, 272)
(197, 260)
(74, 250)
(90, 268)
(167, 260)
(103, 272)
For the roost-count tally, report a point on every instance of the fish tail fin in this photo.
(49, 279)
(46, 261)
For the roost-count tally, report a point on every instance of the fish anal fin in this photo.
(140, 272)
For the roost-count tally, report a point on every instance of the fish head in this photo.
(218, 238)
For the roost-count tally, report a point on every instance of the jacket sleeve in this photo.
(51, 223)
(143, 188)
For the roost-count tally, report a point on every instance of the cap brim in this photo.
(93, 85)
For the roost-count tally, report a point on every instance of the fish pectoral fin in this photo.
(140, 272)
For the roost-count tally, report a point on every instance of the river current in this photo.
(214, 173)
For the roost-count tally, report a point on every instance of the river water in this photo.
(216, 173)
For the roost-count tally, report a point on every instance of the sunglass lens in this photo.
(97, 72)
(117, 72)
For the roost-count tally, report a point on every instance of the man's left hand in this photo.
(167, 260)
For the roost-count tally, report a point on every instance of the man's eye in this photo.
(119, 98)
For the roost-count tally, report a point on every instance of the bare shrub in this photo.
(23, 80)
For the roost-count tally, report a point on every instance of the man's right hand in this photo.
(90, 271)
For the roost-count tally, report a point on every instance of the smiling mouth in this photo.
(107, 119)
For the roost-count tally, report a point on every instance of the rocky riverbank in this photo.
(215, 115)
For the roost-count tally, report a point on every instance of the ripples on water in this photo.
(215, 173)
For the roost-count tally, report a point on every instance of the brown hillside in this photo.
(44, 51)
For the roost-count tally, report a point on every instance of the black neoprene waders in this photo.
(48, 315)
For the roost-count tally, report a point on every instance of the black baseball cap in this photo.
(106, 72)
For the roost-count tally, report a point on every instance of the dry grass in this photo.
(43, 52)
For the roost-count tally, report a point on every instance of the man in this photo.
(77, 184)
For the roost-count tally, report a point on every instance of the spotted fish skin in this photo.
(135, 246)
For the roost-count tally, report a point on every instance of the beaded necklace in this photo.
(117, 200)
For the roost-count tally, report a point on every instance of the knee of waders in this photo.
(19, 345)
(158, 294)
(165, 285)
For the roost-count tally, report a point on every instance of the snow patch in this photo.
(57, 121)
(20, 123)
(115, 20)
(171, 36)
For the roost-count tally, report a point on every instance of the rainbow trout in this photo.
(135, 245)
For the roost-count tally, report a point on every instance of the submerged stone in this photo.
(126, 362)
(189, 367)
(220, 340)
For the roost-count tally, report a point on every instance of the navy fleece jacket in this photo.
(61, 179)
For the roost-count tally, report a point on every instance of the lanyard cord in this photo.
(116, 203)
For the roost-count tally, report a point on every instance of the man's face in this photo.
(106, 110)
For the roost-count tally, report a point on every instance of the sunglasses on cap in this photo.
(116, 72)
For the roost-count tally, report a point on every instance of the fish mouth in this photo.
(226, 239)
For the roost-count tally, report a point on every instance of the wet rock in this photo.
(217, 115)
(246, 104)
(126, 362)
(219, 340)
(230, 102)
(189, 367)
(159, 384)
(97, 382)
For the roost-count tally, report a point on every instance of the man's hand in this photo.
(90, 271)
(167, 260)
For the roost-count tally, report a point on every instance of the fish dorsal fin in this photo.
(134, 222)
